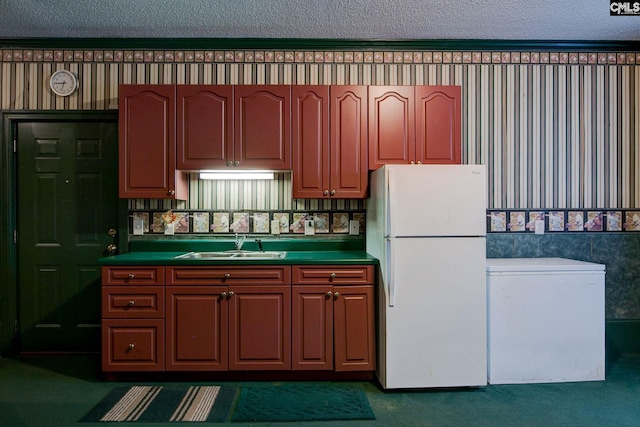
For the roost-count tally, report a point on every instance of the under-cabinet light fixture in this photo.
(237, 175)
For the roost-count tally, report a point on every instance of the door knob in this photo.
(111, 249)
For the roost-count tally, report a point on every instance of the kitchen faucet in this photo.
(239, 241)
(259, 242)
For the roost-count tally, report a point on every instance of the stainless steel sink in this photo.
(234, 255)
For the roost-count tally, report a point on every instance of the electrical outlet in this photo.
(309, 227)
(354, 227)
(275, 227)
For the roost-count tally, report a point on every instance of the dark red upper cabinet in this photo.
(391, 125)
(310, 135)
(147, 143)
(348, 142)
(262, 132)
(204, 126)
(438, 124)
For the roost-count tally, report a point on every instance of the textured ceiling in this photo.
(571, 20)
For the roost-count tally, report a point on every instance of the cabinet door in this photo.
(204, 126)
(348, 143)
(438, 124)
(132, 345)
(353, 327)
(260, 328)
(262, 135)
(147, 144)
(391, 125)
(310, 130)
(196, 328)
(312, 328)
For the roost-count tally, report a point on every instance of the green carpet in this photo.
(316, 401)
(165, 404)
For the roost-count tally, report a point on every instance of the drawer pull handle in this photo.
(332, 276)
(132, 276)
(131, 303)
(227, 276)
(131, 346)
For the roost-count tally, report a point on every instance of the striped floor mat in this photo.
(165, 404)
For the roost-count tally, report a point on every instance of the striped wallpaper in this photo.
(555, 130)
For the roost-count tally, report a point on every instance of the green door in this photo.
(67, 194)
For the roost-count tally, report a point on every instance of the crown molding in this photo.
(319, 44)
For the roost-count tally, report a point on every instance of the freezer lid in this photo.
(512, 265)
(435, 200)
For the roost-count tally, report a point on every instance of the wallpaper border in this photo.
(319, 57)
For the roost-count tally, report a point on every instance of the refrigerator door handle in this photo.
(389, 280)
(387, 207)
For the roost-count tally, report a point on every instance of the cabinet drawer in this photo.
(132, 302)
(132, 345)
(332, 274)
(236, 274)
(132, 275)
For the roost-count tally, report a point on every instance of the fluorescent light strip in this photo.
(237, 175)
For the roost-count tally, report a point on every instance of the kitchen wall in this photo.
(557, 130)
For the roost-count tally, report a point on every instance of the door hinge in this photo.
(15, 236)
(15, 145)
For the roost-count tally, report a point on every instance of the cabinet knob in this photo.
(332, 276)
(236, 163)
(131, 303)
(223, 294)
(227, 276)
(336, 295)
(171, 192)
(111, 249)
(131, 276)
(329, 294)
(419, 162)
(230, 294)
(412, 162)
(325, 193)
(229, 163)
(131, 346)
(333, 192)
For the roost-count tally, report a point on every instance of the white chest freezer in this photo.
(545, 320)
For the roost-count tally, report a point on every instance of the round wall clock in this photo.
(63, 82)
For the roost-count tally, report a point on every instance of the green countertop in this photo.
(299, 251)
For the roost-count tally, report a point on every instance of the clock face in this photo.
(63, 82)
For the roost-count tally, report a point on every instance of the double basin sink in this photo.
(234, 255)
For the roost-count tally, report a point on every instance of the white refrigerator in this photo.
(427, 225)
